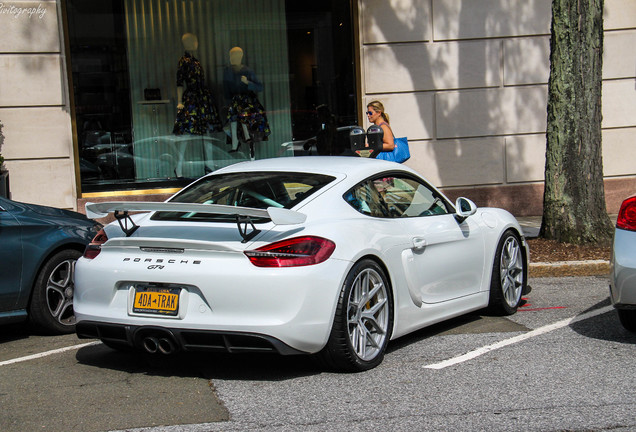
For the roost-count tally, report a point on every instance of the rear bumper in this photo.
(623, 270)
(168, 340)
(223, 296)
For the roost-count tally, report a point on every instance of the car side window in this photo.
(396, 197)
(422, 199)
(366, 199)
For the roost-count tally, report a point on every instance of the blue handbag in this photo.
(401, 152)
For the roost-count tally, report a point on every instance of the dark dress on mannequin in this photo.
(244, 106)
(199, 114)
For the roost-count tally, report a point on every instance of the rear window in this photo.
(254, 190)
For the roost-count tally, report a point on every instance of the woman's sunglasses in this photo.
(370, 113)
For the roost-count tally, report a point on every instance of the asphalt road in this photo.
(535, 371)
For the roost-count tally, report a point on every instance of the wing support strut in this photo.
(244, 223)
(127, 225)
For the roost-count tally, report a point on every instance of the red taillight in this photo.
(627, 215)
(95, 246)
(299, 251)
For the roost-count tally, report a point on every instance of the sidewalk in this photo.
(531, 226)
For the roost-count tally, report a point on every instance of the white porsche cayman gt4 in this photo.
(333, 256)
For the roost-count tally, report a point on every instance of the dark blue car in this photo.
(38, 249)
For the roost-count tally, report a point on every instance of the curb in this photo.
(569, 268)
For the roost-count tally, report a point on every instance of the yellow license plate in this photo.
(156, 300)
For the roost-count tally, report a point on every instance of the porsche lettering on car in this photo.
(328, 256)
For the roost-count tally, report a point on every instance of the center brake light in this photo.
(294, 252)
(627, 215)
(95, 246)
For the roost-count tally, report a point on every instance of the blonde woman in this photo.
(377, 116)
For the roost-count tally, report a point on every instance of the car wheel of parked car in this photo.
(363, 321)
(627, 318)
(508, 276)
(51, 308)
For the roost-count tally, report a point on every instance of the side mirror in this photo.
(464, 208)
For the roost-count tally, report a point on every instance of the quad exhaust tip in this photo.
(163, 345)
(166, 346)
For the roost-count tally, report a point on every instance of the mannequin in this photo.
(196, 110)
(246, 116)
(190, 44)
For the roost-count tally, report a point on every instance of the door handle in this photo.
(419, 243)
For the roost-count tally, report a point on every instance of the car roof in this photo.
(330, 165)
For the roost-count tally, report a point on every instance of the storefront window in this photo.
(166, 91)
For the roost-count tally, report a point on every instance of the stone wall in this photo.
(466, 81)
(34, 106)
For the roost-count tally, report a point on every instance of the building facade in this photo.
(132, 99)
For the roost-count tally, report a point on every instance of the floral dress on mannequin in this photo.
(199, 114)
(244, 106)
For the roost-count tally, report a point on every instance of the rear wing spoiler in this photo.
(121, 210)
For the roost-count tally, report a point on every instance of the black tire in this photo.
(509, 274)
(51, 308)
(628, 319)
(363, 321)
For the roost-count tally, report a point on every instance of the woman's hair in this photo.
(377, 105)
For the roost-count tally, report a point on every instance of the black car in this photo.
(39, 246)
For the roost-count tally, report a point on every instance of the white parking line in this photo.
(537, 332)
(47, 353)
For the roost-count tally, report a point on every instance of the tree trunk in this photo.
(574, 199)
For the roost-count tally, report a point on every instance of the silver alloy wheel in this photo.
(59, 292)
(511, 271)
(368, 314)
